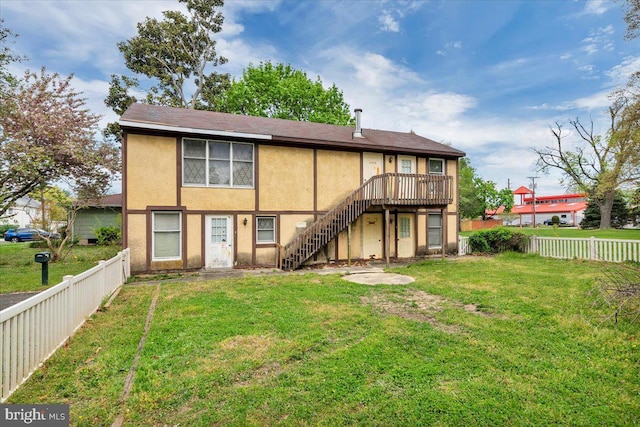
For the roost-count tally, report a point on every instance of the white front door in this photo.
(219, 241)
(372, 236)
(406, 238)
(373, 164)
(407, 186)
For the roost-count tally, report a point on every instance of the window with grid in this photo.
(218, 230)
(435, 230)
(167, 235)
(266, 229)
(436, 166)
(217, 163)
(405, 166)
(405, 227)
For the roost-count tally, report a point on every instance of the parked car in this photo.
(550, 222)
(26, 234)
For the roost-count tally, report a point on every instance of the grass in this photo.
(547, 231)
(509, 340)
(19, 272)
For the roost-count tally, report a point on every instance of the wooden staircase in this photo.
(391, 189)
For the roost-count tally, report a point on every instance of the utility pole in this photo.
(533, 188)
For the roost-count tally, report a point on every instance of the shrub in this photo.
(5, 227)
(497, 240)
(555, 220)
(107, 235)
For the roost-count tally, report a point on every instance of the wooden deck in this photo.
(390, 189)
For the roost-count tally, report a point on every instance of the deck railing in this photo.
(391, 189)
(32, 330)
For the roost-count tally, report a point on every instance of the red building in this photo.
(568, 207)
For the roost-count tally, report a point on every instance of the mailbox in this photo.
(42, 257)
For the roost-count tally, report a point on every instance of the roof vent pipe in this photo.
(358, 132)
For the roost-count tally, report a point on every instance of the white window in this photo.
(405, 166)
(435, 230)
(217, 163)
(436, 166)
(266, 229)
(167, 241)
(405, 227)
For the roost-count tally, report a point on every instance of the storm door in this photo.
(219, 242)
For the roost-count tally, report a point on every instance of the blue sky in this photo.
(488, 77)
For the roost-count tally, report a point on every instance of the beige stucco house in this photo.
(212, 190)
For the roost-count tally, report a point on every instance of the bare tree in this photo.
(599, 165)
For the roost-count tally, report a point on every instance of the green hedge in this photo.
(496, 240)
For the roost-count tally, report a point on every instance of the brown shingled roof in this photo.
(144, 116)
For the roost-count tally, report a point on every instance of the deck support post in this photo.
(349, 245)
(443, 231)
(387, 227)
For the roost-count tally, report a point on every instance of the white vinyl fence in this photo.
(611, 250)
(32, 330)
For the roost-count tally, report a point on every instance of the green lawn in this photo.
(509, 340)
(19, 273)
(547, 231)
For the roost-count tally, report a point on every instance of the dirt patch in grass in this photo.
(249, 346)
(419, 306)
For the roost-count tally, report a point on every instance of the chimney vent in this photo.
(358, 132)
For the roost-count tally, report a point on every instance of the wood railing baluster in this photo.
(386, 189)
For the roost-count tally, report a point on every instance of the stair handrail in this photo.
(330, 215)
(388, 188)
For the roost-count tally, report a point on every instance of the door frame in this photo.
(230, 240)
(412, 233)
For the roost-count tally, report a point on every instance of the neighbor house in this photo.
(23, 213)
(212, 190)
(104, 212)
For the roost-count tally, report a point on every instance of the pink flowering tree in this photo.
(47, 135)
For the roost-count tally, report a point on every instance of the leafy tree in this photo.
(593, 216)
(632, 18)
(119, 99)
(176, 52)
(634, 206)
(470, 205)
(53, 201)
(47, 135)
(491, 198)
(480, 198)
(7, 56)
(280, 91)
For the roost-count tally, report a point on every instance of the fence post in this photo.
(593, 255)
(534, 245)
(103, 278)
(71, 307)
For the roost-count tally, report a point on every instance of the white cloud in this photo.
(596, 7)
(434, 106)
(511, 65)
(448, 47)
(388, 23)
(366, 70)
(599, 39)
(590, 49)
(620, 74)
